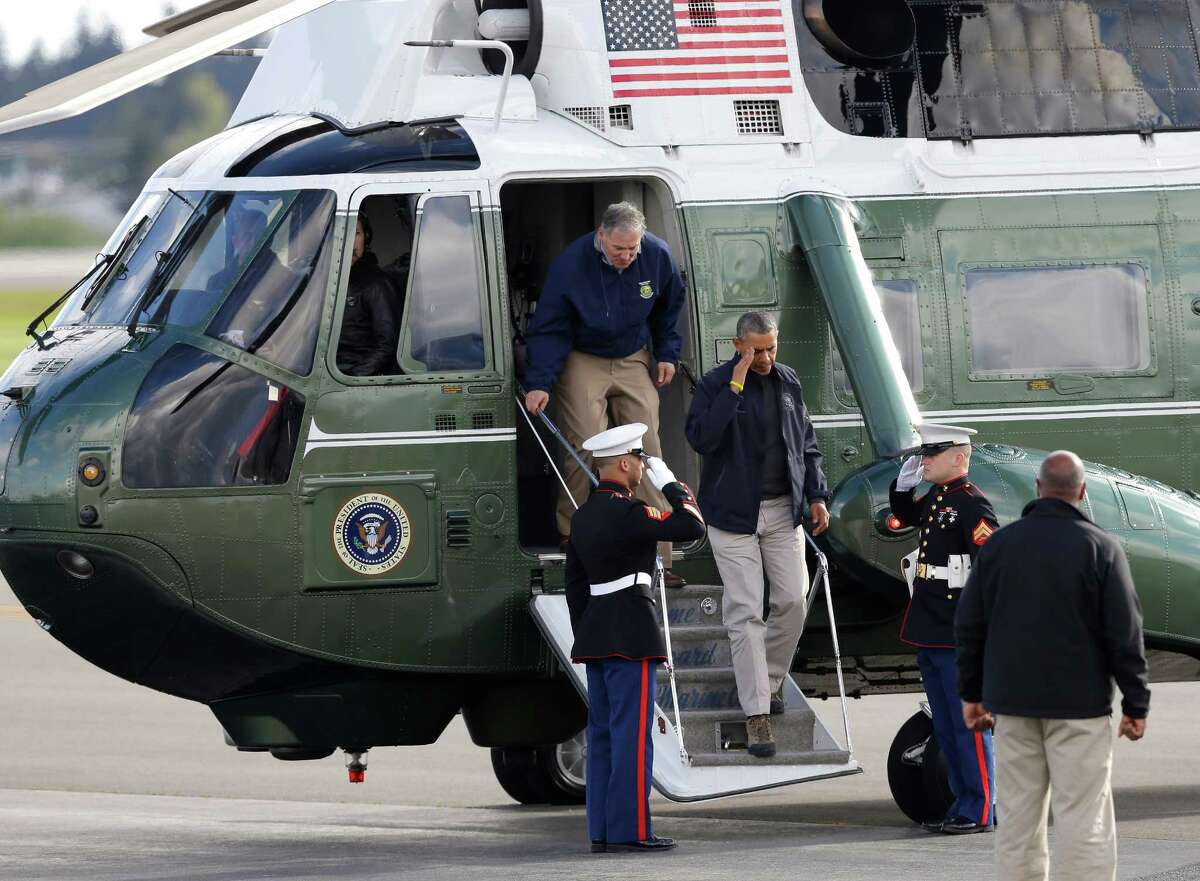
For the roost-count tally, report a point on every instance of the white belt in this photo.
(599, 590)
(935, 573)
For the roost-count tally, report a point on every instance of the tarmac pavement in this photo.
(106, 781)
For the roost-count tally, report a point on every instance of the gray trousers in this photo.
(1065, 764)
(762, 650)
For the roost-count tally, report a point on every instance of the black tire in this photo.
(543, 775)
(917, 771)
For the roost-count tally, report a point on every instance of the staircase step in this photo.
(694, 605)
(708, 731)
(811, 757)
(701, 647)
(700, 688)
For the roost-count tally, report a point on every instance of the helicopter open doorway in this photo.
(540, 218)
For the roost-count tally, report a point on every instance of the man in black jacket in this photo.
(761, 463)
(610, 565)
(1048, 619)
(367, 345)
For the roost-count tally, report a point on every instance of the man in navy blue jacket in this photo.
(761, 463)
(603, 338)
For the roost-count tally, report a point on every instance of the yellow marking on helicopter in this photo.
(13, 612)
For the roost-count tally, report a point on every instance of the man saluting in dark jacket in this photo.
(610, 561)
(761, 463)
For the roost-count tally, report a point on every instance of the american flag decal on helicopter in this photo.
(662, 48)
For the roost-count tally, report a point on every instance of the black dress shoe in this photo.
(647, 844)
(963, 826)
(599, 846)
(671, 580)
(933, 825)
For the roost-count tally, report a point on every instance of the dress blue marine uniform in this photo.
(954, 519)
(610, 561)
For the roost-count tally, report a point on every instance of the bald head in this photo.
(1061, 477)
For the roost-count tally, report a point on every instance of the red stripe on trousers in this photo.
(641, 753)
(987, 796)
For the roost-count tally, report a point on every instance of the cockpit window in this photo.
(199, 420)
(273, 310)
(194, 249)
(224, 235)
(118, 290)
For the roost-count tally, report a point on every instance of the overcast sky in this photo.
(53, 21)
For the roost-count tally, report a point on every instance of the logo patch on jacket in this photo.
(646, 289)
(982, 532)
(788, 403)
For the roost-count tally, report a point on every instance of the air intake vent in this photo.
(484, 419)
(445, 422)
(702, 13)
(620, 116)
(458, 529)
(758, 117)
(596, 117)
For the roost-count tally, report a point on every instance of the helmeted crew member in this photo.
(953, 520)
(604, 339)
(610, 561)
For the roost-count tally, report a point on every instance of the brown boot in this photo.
(760, 743)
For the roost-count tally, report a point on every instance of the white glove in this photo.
(911, 474)
(658, 472)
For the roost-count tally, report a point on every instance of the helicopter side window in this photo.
(1034, 319)
(273, 310)
(901, 310)
(199, 420)
(443, 322)
(374, 302)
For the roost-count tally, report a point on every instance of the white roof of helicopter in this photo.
(346, 60)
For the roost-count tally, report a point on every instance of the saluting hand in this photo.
(666, 372)
(742, 368)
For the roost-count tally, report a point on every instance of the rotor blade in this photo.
(180, 20)
(123, 73)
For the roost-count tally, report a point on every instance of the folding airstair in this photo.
(709, 759)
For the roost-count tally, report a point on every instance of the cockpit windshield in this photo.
(261, 254)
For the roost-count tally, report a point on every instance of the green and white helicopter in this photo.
(985, 213)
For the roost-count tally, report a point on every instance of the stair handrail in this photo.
(823, 577)
(659, 576)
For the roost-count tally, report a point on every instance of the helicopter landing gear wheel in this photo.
(553, 774)
(917, 771)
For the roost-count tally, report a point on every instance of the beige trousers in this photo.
(594, 394)
(1067, 764)
(762, 650)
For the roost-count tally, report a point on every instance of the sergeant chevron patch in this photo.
(982, 532)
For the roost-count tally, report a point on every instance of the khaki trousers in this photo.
(594, 394)
(762, 650)
(1067, 764)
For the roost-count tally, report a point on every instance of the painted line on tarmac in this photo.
(13, 612)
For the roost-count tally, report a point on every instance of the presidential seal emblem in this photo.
(646, 290)
(371, 533)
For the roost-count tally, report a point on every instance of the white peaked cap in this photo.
(616, 441)
(935, 437)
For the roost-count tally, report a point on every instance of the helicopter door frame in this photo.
(478, 194)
